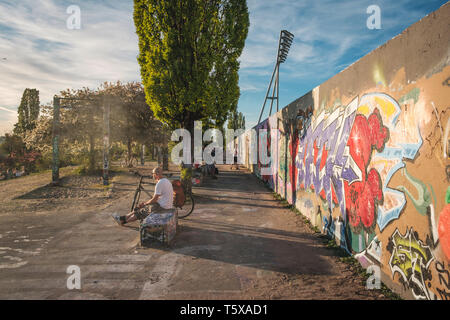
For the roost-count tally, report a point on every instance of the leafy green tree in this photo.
(81, 130)
(82, 123)
(189, 52)
(40, 139)
(241, 121)
(14, 154)
(132, 120)
(28, 112)
(236, 120)
(11, 149)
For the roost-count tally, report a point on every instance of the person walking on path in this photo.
(161, 202)
(235, 160)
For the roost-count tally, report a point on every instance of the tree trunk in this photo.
(91, 167)
(165, 158)
(159, 156)
(143, 154)
(129, 164)
(186, 172)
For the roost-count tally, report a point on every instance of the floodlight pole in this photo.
(267, 93)
(283, 49)
(277, 68)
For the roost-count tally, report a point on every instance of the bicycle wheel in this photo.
(187, 207)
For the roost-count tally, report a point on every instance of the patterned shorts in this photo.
(142, 213)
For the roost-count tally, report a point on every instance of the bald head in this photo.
(158, 172)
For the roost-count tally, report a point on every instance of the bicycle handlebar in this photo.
(169, 175)
(141, 175)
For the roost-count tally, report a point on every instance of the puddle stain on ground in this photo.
(11, 258)
(167, 268)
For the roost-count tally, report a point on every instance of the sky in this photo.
(39, 50)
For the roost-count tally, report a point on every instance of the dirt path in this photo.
(238, 244)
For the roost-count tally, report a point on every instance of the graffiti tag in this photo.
(444, 279)
(411, 259)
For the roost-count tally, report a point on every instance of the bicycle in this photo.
(183, 210)
(133, 162)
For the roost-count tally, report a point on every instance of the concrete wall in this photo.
(365, 156)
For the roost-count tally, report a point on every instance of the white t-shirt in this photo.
(165, 191)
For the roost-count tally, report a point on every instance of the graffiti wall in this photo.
(365, 157)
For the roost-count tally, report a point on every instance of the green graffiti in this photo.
(357, 241)
(434, 194)
(447, 195)
(413, 94)
(325, 205)
(424, 199)
(371, 236)
(411, 259)
(289, 160)
(282, 162)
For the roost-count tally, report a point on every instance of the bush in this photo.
(14, 154)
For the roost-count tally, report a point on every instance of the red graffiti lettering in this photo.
(362, 197)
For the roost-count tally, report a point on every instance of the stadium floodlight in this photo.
(284, 44)
(286, 39)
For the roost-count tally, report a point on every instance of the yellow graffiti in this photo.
(408, 252)
(364, 109)
(386, 107)
(411, 259)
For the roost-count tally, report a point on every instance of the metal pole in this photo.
(55, 163)
(273, 91)
(106, 112)
(278, 85)
(277, 82)
(268, 90)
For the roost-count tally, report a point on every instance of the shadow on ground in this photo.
(262, 248)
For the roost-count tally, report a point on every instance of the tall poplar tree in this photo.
(28, 112)
(189, 52)
(236, 120)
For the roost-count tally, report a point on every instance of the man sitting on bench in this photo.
(161, 202)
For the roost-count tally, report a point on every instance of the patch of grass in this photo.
(101, 187)
(360, 271)
(84, 171)
(40, 172)
(331, 244)
(388, 293)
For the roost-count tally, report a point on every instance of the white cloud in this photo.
(249, 87)
(8, 110)
(43, 54)
(7, 120)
